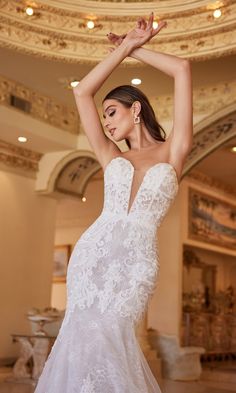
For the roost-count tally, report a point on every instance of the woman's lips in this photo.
(112, 131)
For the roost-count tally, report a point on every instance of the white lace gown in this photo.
(111, 275)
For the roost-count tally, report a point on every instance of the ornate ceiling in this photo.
(58, 30)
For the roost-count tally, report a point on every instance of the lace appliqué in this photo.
(115, 263)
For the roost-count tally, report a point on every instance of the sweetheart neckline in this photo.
(130, 207)
(152, 166)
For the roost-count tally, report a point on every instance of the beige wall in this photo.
(64, 236)
(164, 313)
(26, 244)
(73, 218)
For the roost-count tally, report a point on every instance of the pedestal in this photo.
(32, 348)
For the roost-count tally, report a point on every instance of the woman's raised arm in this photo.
(84, 93)
(180, 138)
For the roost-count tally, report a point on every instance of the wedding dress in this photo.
(111, 275)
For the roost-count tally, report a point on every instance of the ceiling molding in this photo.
(207, 100)
(42, 107)
(19, 158)
(106, 7)
(58, 30)
(206, 180)
(212, 100)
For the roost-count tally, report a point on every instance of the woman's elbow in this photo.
(185, 66)
(79, 91)
(186, 63)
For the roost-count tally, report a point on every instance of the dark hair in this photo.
(127, 95)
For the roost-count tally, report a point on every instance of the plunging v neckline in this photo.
(130, 207)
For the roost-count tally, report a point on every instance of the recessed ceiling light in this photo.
(90, 24)
(74, 83)
(83, 199)
(29, 11)
(217, 13)
(22, 139)
(233, 149)
(155, 24)
(136, 81)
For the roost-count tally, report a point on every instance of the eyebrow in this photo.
(107, 109)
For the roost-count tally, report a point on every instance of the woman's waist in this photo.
(137, 218)
(118, 229)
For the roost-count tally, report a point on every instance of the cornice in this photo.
(60, 33)
(132, 7)
(207, 100)
(211, 182)
(43, 108)
(18, 157)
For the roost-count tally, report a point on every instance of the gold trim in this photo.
(44, 108)
(19, 157)
(222, 95)
(60, 33)
(211, 182)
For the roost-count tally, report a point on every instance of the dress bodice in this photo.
(153, 197)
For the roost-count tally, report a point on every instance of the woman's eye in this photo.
(112, 113)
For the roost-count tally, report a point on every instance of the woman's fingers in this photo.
(143, 32)
(161, 24)
(150, 21)
(114, 38)
(138, 24)
(143, 24)
(111, 36)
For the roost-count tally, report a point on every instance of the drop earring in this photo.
(136, 119)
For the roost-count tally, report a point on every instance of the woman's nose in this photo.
(106, 123)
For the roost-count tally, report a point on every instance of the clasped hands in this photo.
(137, 37)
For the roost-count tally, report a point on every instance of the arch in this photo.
(210, 134)
(53, 166)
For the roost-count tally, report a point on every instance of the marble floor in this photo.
(215, 379)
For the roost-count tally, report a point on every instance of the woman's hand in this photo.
(137, 37)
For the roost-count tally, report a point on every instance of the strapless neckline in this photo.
(147, 172)
(152, 166)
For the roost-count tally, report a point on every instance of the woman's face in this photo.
(118, 119)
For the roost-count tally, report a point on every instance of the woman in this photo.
(113, 267)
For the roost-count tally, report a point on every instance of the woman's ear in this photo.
(136, 108)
